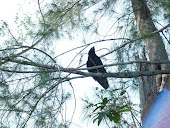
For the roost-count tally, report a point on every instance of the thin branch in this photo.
(42, 52)
(41, 14)
(13, 36)
(30, 48)
(52, 68)
(166, 38)
(121, 46)
(44, 94)
(124, 63)
(104, 40)
(85, 74)
(160, 30)
(140, 38)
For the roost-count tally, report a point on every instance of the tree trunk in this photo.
(150, 86)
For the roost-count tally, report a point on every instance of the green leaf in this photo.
(114, 112)
(123, 106)
(126, 110)
(122, 92)
(105, 101)
(115, 89)
(116, 119)
(101, 107)
(95, 119)
(100, 116)
(96, 109)
(111, 118)
(99, 121)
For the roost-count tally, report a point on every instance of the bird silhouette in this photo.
(94, 60)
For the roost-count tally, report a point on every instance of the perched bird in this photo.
(94, 60)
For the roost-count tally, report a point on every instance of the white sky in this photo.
(8, 9)
(83, 87)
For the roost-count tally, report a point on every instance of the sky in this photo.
(82, 87)
(8, 9)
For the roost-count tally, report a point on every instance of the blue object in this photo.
(159, 114)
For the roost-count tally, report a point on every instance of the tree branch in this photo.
(75, 71)
(53, 68)
(140, 38)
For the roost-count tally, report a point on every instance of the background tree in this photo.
(34, 81)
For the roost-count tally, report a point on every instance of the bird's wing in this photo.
(95, 61)
(102, 81)
(99, 62)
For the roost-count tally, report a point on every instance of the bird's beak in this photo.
(92, 49)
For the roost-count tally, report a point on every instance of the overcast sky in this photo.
(83, 87)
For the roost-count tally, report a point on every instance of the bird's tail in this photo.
(103, 82)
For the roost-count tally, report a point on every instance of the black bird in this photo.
(94, 60)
